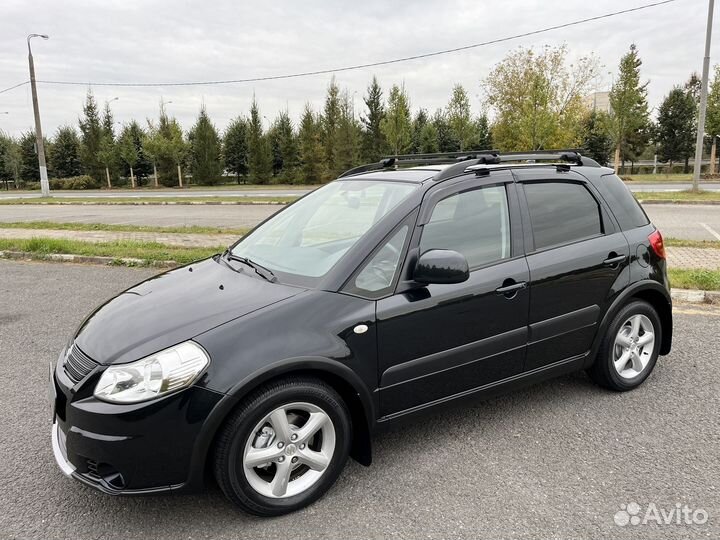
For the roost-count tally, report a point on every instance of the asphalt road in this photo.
(696, 222)
(555, 460)
(291, 192)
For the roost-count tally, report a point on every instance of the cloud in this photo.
(148, 41)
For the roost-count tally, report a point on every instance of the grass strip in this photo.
(703, 244)
(52, 225)
(705, 280)
(148, 251)
(678, 196)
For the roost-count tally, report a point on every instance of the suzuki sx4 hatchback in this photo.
(377, 297)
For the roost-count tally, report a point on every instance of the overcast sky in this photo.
(172, 41)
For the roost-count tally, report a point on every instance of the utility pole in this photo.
(703, 100)
(44, 184)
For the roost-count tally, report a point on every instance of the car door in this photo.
(441, 340)
(578, 259)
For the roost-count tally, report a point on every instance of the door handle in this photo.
(509, 289)
(612, 261)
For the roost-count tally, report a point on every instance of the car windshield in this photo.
(309, 237)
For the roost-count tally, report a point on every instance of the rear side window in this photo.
(561, 213)
(627, 210)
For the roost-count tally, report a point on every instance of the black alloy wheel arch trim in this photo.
(620, 300)
(307, 365)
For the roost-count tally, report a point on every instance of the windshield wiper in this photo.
(260, 270)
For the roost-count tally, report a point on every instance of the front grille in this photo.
(78, 364)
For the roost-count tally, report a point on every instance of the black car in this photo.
(382, 295)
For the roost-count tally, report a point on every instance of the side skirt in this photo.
(556, 369)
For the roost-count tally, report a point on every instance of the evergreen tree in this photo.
(446, 142)
(349, 136)
(168, 149)
(628, 101)
(459, 117)
(374, 144)
(9, 160)
(597, 136)
(128, 151)
(285, 148)
(312, 154)
(418, 124)
(330, 126)
(90, 138)
(205, 151)
(235, 146)
(481, 138)
(258, 148)
(428, 140)
(676, 127)
(64, 155)
(29, 166)
(396, 125)
(108, 122)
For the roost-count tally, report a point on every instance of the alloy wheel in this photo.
(289, 450)
(634, 346)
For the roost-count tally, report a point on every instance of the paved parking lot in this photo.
(554, 461)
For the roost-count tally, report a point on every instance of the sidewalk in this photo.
(678, 257)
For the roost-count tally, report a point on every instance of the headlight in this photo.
(154, 376)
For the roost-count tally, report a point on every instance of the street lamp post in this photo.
(703, 100)
(44, 184)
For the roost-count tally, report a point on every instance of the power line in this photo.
(359, 66)
(14, 87)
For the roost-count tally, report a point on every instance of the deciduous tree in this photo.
(396, 126)
(676, 127)
(538, 98)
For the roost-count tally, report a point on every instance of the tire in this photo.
(300, 468)
(619, 339)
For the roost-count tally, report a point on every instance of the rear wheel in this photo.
(630, 348)
(283, 447)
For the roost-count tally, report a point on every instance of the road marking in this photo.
(709, 229)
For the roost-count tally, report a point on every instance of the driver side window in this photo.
(379, 272)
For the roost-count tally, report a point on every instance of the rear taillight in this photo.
(656, 243)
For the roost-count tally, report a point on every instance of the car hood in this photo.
(173, 307)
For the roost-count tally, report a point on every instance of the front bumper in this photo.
(126, 449)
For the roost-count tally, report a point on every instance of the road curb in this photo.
(678, 201)
(85, 259)
(694, 296)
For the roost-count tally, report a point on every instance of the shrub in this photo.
(74, 182)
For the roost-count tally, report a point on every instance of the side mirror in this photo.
(441, 266)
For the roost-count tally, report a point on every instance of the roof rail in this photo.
(571, 155)
(413, 160)
(461, 161)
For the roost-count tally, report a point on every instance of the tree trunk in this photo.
(132, 178)
(686, 168)
(180, 176)
(155, 174)
(107, 173)
(713, 150)
(617, 159)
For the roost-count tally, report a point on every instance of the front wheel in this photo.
(629, 349)
(283, 447)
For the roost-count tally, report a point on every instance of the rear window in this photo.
(561, 213)
(627, 210)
